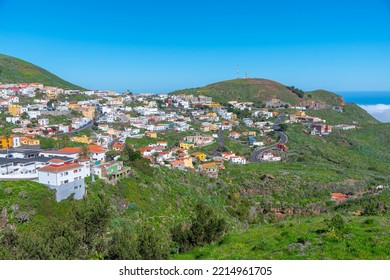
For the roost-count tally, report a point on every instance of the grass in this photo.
(351, 113)
(14, 70)
(254, 90)
(303, 238)
(258, 91)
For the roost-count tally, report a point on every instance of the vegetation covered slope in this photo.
(363, 238)
(14, 70)
(325, 96)
(352, 114)
(259, 90)
(285, 205)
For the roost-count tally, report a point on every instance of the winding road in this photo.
(221, 139)
(256, 154)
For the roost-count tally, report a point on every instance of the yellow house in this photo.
(29, 142)
(300, 114)
(188, 161)
(151, 134)
(234, 116)
(212, 114)
(82, 139)
(187, 145)
(5, 143)
(74, 106)
(200, 156)
(89, 112)
(15, 110)
(213, 127)
(213, 104)
(52, 95)
(205, 128)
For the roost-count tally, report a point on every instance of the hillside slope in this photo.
(260, 90)
(14, 70)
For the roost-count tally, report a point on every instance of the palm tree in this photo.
(84, 153)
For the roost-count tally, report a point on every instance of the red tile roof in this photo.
(177, 162)
(60, 168)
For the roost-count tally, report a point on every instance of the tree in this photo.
(205, 227)
(150, 245)
(24, 116)
(51, 102)
(129, 155)
(110, 155)
(63, 141)
(282, 127)
(84, 153)
(91, 217)
(123, 245)
(336, 225)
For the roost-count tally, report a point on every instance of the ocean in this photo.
(367, 97)
(376, 103)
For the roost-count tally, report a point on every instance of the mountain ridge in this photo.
(15, 70)
(261, 90)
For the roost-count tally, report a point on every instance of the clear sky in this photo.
(159, 46)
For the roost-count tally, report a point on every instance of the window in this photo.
(66, 173)
(75, 171)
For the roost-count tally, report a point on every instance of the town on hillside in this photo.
(62, 138)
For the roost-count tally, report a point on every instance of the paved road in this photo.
(221, 138)
(193, 119)
(256, 154)
(88, 125)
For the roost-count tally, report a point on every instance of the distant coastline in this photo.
(367, 97)
(376, 103)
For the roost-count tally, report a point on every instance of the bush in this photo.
(206, 227)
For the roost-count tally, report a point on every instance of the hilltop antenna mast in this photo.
(238, 72)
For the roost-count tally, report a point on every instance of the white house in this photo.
(258, 144)
(270, 157)
(64, 128)
(226, 126)
(14, 99)
(33, 114)
(43, 122)
(64, 177)
(237, 160)
(13, 120)
(79, 122)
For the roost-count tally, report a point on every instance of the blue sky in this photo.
(159, 46)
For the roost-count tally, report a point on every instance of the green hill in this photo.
(269, 210)
(260, 90)
(352, 113)
(14, 70)
(284, 205)
(303, 239)
(328, 97)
